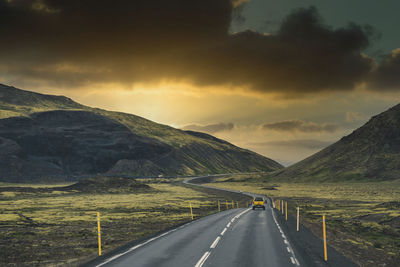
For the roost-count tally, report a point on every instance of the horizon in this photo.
(282, 79)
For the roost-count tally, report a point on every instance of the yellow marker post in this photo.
(219, 207)
(286, 210)
(191, 211)
(99, 232)
(233, 205)
(226, 204)
(298, 218)
(273, 203)
(324, 233)
(237, 204)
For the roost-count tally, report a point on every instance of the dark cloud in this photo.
(301, 143)
(211, 128)
(386, 76)
(78, 42)
(300, 126)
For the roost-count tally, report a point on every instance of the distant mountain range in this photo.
(46, 137)
(371, 152)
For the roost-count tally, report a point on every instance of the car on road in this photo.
(258, 202)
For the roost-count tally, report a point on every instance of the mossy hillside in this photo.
(57, 226)
(55, 138)
(370, 153)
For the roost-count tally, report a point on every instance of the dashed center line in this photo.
(223, 232)
(216, 241)
(214, 244)
(202, 259)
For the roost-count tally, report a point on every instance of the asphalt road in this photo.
(236, 237)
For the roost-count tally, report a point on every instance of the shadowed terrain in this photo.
(43, 138)
(371, 152)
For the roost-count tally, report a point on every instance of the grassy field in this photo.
(363, 219)
(57, 227)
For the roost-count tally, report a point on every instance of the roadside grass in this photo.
(59, 228)
(363, 219)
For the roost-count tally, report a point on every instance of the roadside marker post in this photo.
(324, 234)
(298, 218)
(286, 210)
(219, 207)
(237, 204)
(226, 204)
(99, 232)
(191, 210)
(282, 206)
(233, 205)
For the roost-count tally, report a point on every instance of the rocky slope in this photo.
(44, 137)
(371, 152)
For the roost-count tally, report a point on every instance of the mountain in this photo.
(45, 137)
(372, 152)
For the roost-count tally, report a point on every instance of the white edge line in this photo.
(289, 247)
(136, 247)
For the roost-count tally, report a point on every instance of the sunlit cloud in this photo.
(301, 126)
(210, 128)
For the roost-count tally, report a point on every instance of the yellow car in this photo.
(258, 202)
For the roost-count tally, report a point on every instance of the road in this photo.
(236, 237)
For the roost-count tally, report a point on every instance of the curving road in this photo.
(237, 237)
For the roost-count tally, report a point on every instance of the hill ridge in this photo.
(45, 137)
(371, 152)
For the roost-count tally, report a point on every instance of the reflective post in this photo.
(324, 233)
(99, 232)
(298, 218)
(286, 210)
(191, 210)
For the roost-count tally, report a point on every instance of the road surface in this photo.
(236, 237)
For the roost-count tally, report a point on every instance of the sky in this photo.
(284, 78)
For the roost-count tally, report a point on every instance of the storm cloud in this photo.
(300, 126)
(210, 128)
(386, 76)
(79, 42)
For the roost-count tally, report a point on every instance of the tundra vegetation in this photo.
(51, 225)
(363, 218)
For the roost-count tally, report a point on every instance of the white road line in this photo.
(289, 247)
(216, 241)
(214, 244)
(223, 231)
(137, 246)
(202, 259)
